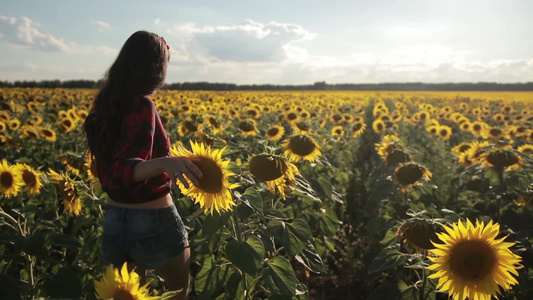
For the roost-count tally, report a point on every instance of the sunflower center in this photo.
(190, 126)
(502, 159)
(6, 179)
(212, 176)
(246, 126)
(267, 167)
(292, 116)
(123, 295)
(409, 174)
(273, 131)
(301, 145)
(29, 178)
(472, 260)
(47, 133)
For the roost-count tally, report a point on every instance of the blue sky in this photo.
(277, 41)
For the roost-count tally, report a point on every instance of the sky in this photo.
(276, 41)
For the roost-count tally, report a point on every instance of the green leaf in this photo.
(280, 277)
(64, 240)
(211, 277)
(247, 256)
(325, 183)
(64, 284)
(388, 258)
(310, 259)
(9, 287)
(328, 222)
(274, 214)
(293, 236)
(253, 199)
(213, 223)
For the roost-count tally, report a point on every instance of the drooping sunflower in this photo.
(301, 127)
(248, 127)
(410, 173)
(31, 178)
(187, 126)
(121, 285)
(10, 179)
(507, 159)
(68, 191)
(301, 147)
(213, 192)
(387, 144)
(277, 171)
(419, 234)
(274, 133)
(472, 263)
(473, 154)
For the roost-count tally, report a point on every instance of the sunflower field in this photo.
(305, 195)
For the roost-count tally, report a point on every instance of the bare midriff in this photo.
(164, 201)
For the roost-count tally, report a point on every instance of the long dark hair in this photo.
(139, 69)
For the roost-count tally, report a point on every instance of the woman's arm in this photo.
(175, 167)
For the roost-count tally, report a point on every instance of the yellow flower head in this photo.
(277, 171)
(121, 285)
(301, 147)
(472, 263)
(213, 191)
(10, 179)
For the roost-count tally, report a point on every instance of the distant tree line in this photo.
(320, 85)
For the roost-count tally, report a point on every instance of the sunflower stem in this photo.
(421, 292)
(238, 235)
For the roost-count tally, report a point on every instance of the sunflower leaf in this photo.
(247, 256)
(279, 276)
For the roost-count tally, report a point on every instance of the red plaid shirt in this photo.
(141, 137)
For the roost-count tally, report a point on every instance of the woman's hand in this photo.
(179, 167)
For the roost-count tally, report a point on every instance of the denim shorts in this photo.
(147, 237)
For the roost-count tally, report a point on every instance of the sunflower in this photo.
(248, 127)
(67, 123)
(472, 263)
(301, 127)
(477, 147)
(277, 171)
(3, 126)
(388, 143)
(68, 191)
(501, 159)
(357, 129)
(444, 132)
(301, 147)
(215, 125)
(379, 126)
(466, 126)
(10, 179)
(28, 131)
(274, 133)
(525, 199)
(213, 191)
(419, 234)
(478, 127)
(461, 148)
(291, 116)
(395, 156)
(121, 285)
(31, 179)
(494, 133)
(48, 133)
(526, 149)
(14, 124)
(408, 174)
(337, 131)
(187, 126)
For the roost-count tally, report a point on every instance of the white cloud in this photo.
(101, 25)
(23, 32)
(249, 41)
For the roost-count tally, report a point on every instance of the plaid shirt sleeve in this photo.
(134, 144)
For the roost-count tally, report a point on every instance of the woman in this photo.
(131, 150)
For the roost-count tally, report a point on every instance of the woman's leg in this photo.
(176, 273)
